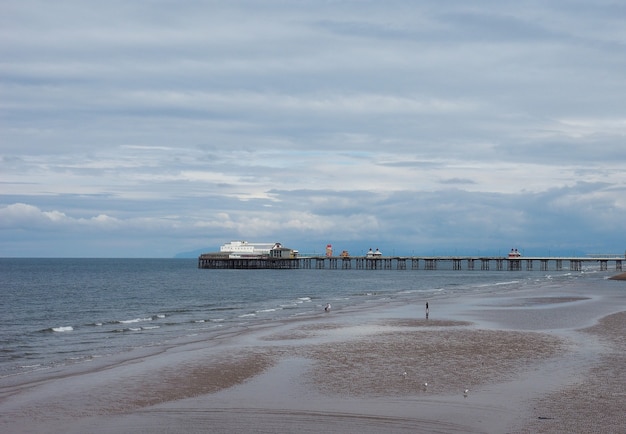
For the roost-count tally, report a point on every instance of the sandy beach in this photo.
(516, 363)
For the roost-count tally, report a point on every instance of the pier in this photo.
(496, 263)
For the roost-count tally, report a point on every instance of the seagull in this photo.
(404, 374)
(425, 385)
(465, 392)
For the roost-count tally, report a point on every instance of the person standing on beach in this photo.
(426, 310)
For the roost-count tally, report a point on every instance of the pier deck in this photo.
(212, 261)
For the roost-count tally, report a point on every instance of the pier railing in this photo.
(211, 261)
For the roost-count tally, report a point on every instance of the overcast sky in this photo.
(150, 128)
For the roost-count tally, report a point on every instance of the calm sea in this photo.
(61, 311)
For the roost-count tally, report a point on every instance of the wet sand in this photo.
(526, 369)
(621, 276)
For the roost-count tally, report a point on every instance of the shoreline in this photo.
(621, 276)
(517, 354)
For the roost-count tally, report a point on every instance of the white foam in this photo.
(63, 329)
(490, 284)
(511, 282)
(246, 315)
(131, 321)
(267, 310)
(30, 366)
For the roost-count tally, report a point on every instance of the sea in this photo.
(56, 312)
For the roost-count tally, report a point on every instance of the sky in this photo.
(152, 128)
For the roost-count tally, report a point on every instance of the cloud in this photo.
(143, 128)
(25, 216)
(456, 181)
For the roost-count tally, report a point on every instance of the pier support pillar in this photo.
(430, 264)
(543, 265)
(415, 264)
(484, 264)
(515, 265)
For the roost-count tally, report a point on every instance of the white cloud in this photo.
(25, 216)
(18, 214)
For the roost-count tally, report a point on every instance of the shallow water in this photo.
(62, 311)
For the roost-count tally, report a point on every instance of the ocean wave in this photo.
(511, 282)
(124, 321)
(247, 315)
(134, 329)
(38, 365)
(412, 291)
(61, 329)
(268, 310)
(127, 329)
(490, 284)
(133, 321)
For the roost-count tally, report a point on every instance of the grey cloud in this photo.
(449, 125)
(457, 181)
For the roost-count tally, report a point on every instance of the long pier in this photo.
(213, 261)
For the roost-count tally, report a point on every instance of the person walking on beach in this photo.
(426, 310)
